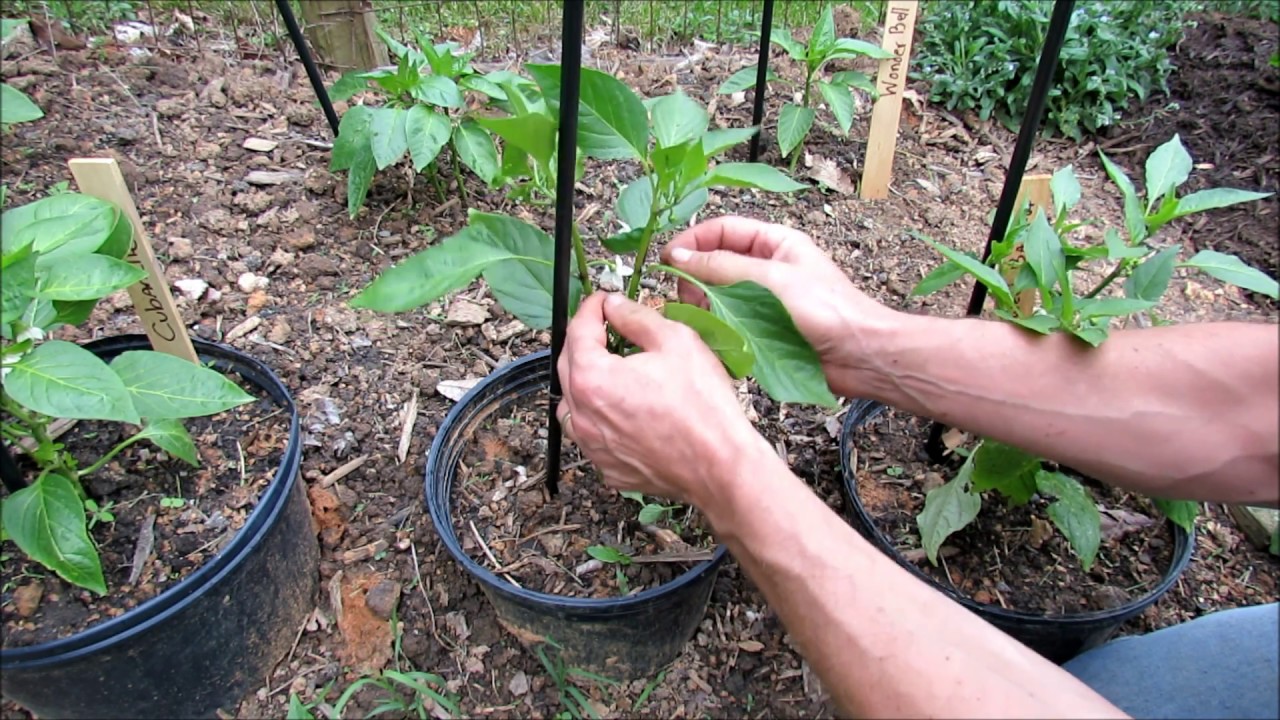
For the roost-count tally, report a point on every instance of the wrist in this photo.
(746, 466)
(873, 357)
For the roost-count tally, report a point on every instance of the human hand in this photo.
(664, 421)
(835, 317)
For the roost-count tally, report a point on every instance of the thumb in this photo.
(721, 267)
(642, 325)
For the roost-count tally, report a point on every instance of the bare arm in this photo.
(883, 642)
(1186, 411)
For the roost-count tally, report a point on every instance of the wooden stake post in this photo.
(101, 178)
(1036, 189)
(899, 27)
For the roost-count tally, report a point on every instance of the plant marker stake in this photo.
(891, 81)
(1058, 24)
(10, 473)
(762, 72)
(101, 178)
(566, 167)
(304, 54)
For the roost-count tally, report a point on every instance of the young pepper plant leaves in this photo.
(1044, 253)
(62, 379)
(1074, 513)
(794, 123)
(1214, 198)
(1182, 512)
(972, 265)
(744, 79)
(426, 132)
(677, 118)
(164, 386)
(612, 122)
(1151, 278)
(840, 100)
(607, 554)
(48, 523)
(1005, 469)
(724, 341)
(1168, 167)
(476, 150)
(387, 136)
(751, 175)
(523, 283)
(87, 277)
(432, 273)
(948, 508)
(1231, 269)
(717, 141)
(171, 436)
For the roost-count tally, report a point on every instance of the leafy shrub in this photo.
(982, 55)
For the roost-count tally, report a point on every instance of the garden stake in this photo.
(10, 474)
(566, 165)
(308, 62)
(1058, 24)
(762, 72)
(891, 81)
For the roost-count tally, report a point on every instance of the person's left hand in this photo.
(664, 421)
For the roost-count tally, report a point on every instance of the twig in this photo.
(261, 419)
(126, 89)
(343, 471)
(155, 129)
(431, 612)
(406, 433)
(553, 528)
(142, 551)
(497, 566)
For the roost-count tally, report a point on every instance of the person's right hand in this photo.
(833, 315)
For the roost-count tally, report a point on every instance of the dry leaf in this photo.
(1117, 523)
(829, 174)
(954, 438)
(456, 389)
(751, 646)
(1040, 531)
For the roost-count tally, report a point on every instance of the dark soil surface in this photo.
(177, 122)
(1011, 557)
(540, 541)
(240, 451)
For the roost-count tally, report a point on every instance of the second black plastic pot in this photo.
(1056, 637)
(619, 638)
(208, 640)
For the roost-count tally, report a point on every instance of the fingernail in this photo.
(613, 300)
(681, 254)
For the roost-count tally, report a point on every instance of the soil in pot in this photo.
(506, 520)
(240, 451)
(1013, 558)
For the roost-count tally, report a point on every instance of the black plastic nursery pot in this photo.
(619, 638)
(1056, 637)
(207, 641)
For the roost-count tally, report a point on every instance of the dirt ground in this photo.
(176, 121)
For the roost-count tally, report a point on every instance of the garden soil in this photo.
(177, 121)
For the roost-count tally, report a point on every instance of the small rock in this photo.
(319, 181)
(254, 202)
(27, 598)
(172, 107)
(316, 265)
(207, 150)
(382, 598)
(244, 328)
(257, 300)
(456, 389)
(280, 332)
(932, 480)
(465, 312)
(279, 259)
(301, 240)
(180, 248)
(214, 93)
(260, 144)
(751, 646)
(191, 288)
(519, 684)
(300, 114)
(1108, 597)
(982, 596)
(248, 282)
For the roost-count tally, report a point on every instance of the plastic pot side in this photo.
(619, 638)
(1058, 638)
(208, 640)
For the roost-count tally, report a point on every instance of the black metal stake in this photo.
(566, 165)
(1058, 24)
(304, 53)
(10, 473)
(762, 72)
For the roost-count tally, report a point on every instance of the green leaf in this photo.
(535, 134)
(1043, 324)
(972, 265)
(1117, 249)
(1065, 189)
(1134, 218)
(948, 508)
(16, 107)
(938, 278)
(48, 523)
(359, 178)
(1111, 307)
(677, 119)
(724, 341)
(62, 379)
(612, 122)
(635, 202)
(17, 289)
(426, 132)
(1214, 198)
(1151, 277)
(1167, 167)
(781, 37)
(1044, 253)
(432, 273)
(94, 219)
(438, 90)
(347, 86)
(1005, 469)
(823, 39)
(120, 241)
(652, 513)
(633, 495)
(352, 143)
(484, 86)
(476, 150)
(752, 175)
(387, 136)
(1182, 512)
(744, 79)
(853, 78)
(717, 141)
(166, 386)
(841, 102)
(1233, 270)
(794, 122)
(607, 554)
(1074, 513)
(73, 312)
(786, 366)
(523, 283)
(625, 242)
(88, 277)
(171, 436)
(1094, 335)
(849, 48)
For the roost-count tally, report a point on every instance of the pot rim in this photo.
(481, 397)
(174, 599)
(862, 410)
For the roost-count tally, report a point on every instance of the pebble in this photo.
(180, 248)
(260, 144)
(519, 684)
(191, 288)
(27, 598)
(280, 332)
(382, 598)
(466, 313)
(248, 282)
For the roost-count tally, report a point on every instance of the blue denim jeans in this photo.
(1221, 665)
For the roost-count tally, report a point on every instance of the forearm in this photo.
(1185, 411)
(883, 642)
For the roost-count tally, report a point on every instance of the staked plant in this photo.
(15, 106)
(747, 326)
(795, 120)
(1035, 261)
(61, 255)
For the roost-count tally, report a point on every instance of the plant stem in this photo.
(457, 174)
(633, 287)
(580, 254)
(37, 429)
(107, 458)
(435, 180)
(1110, 278)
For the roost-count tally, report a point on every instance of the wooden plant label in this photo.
(1035, 189)
(101, 178)
(899, 27)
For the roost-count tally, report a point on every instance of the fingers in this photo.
(641, 325)
(745, 236)
(565, 419)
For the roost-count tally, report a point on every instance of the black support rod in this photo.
(317, 81)
(566, 167)
(10, 473)
(762, 72)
